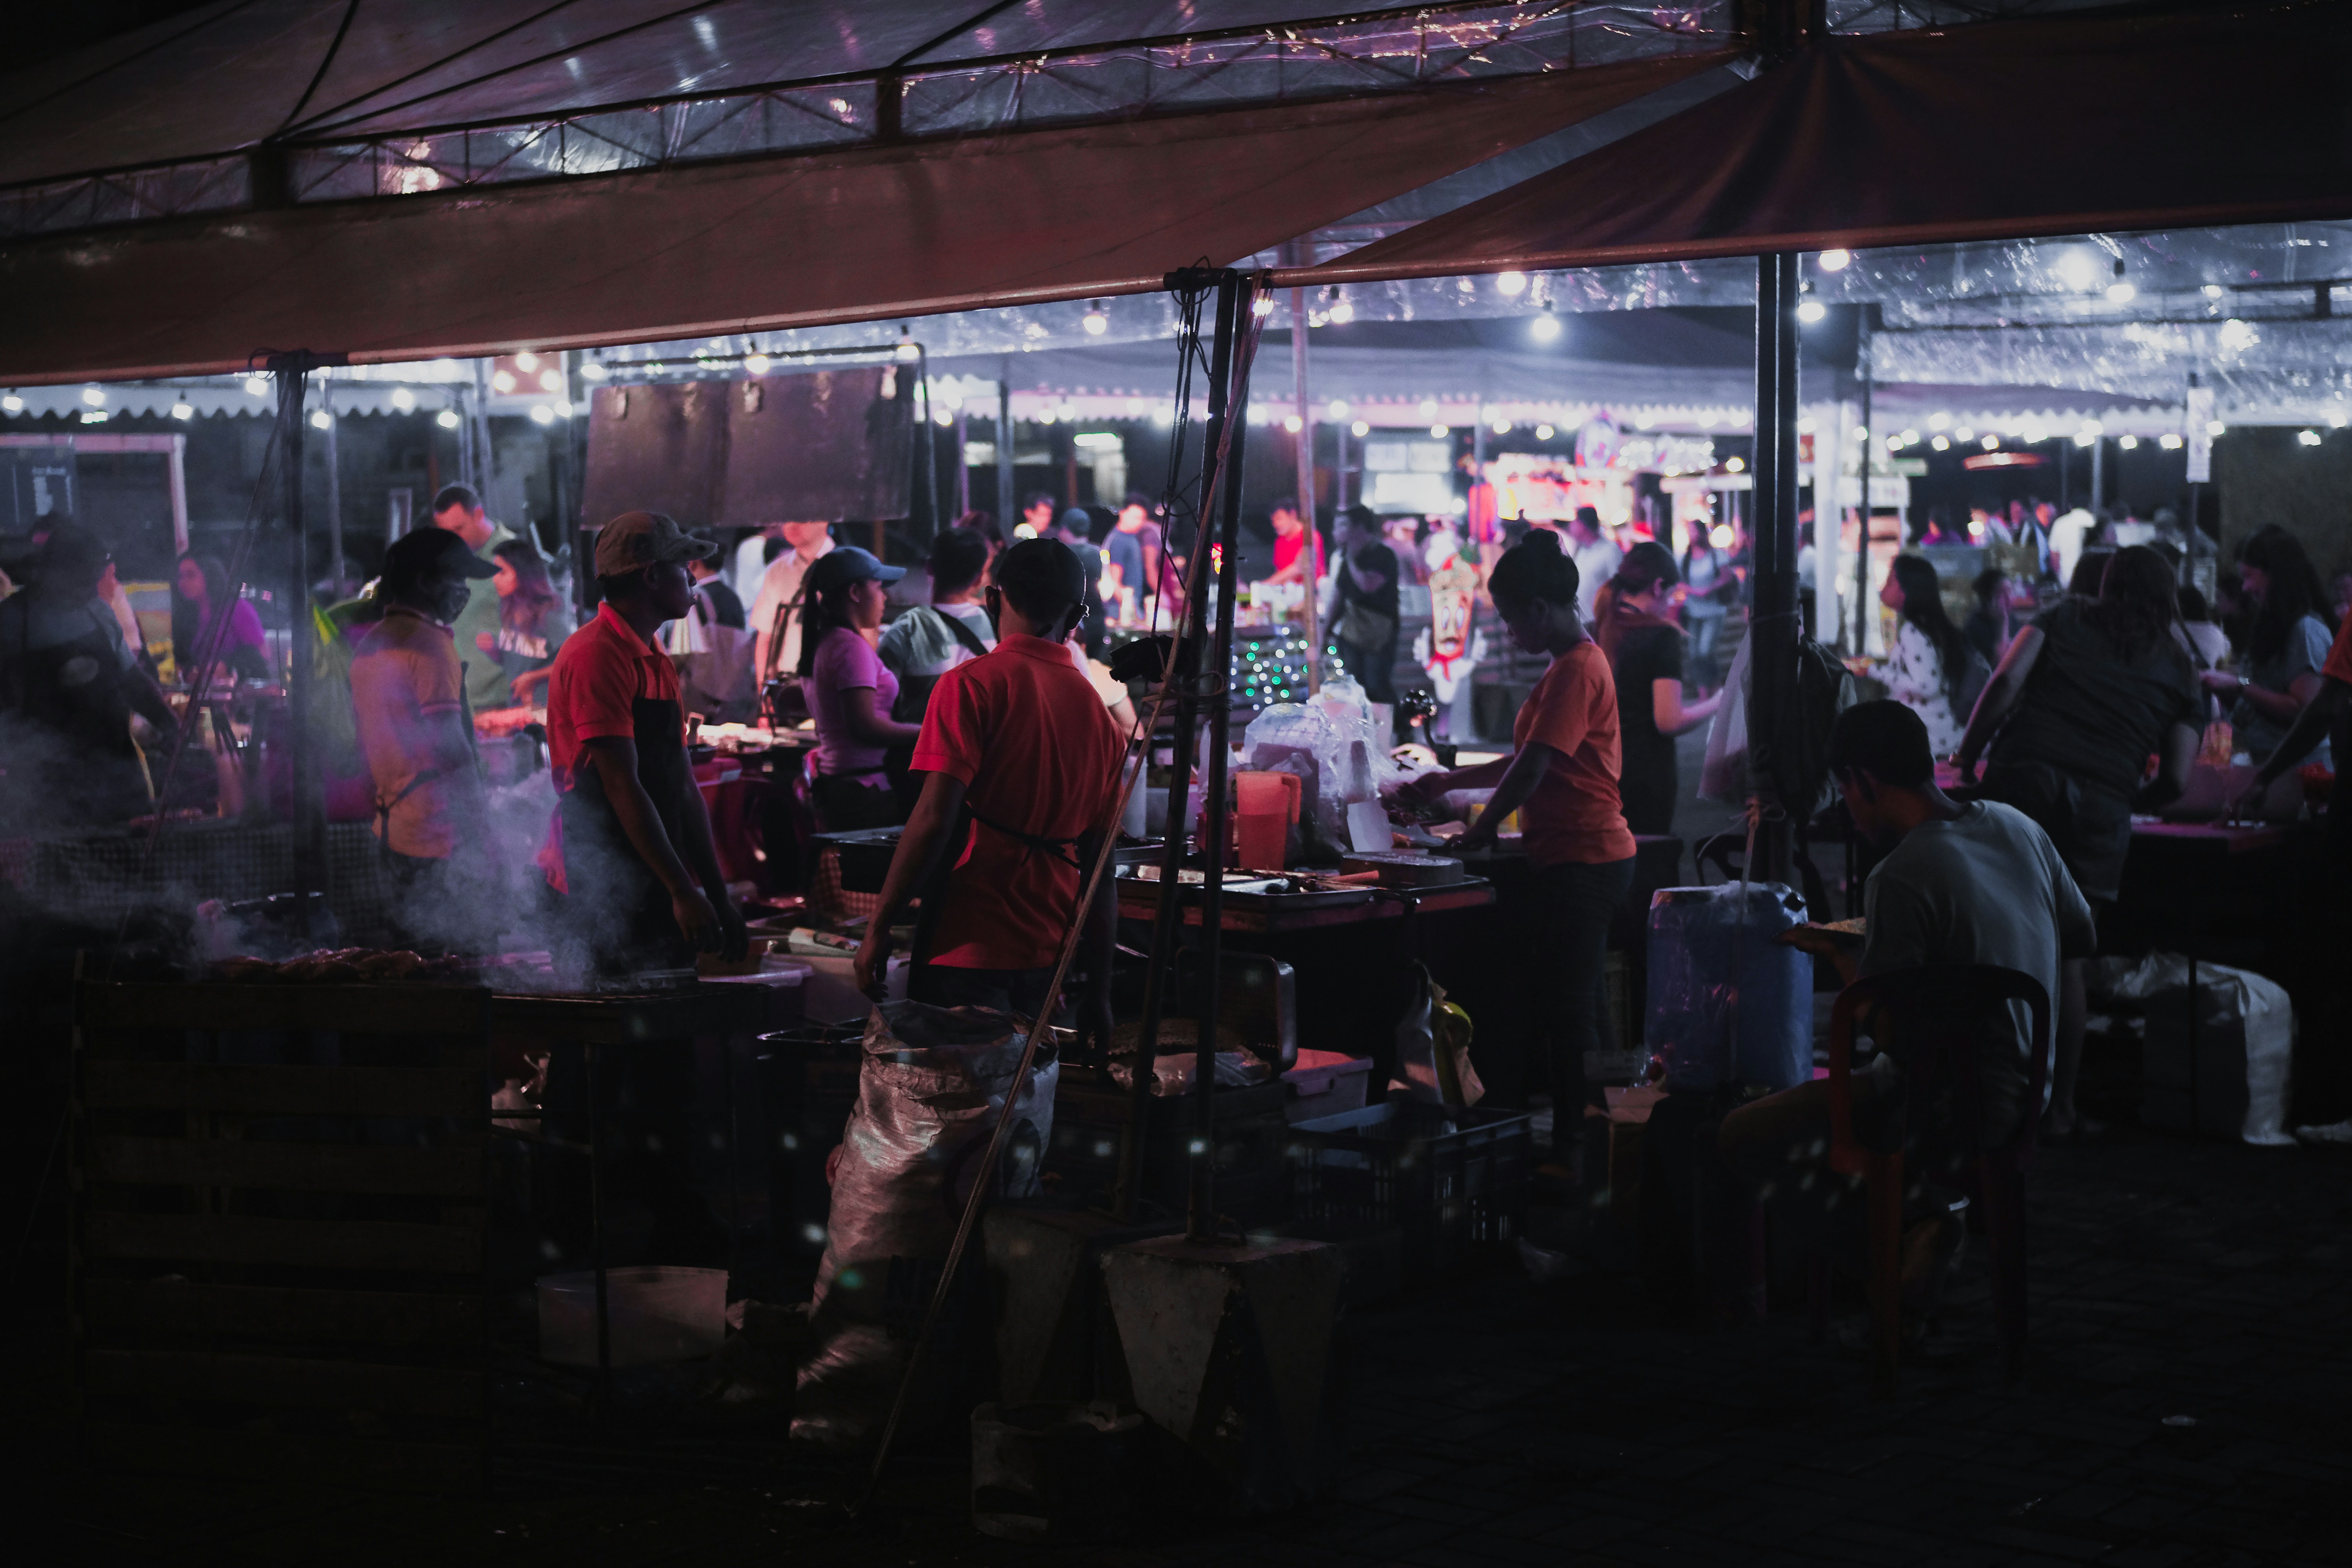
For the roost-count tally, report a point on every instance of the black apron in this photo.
(73, 746)
(616, 906)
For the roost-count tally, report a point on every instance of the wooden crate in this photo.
(278, 1245)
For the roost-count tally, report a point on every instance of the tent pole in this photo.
(308, 818)
(1862, 538)
(1218, 515)
(1772, 624)
(334, 489)
(1004, 500)
(1305, 449)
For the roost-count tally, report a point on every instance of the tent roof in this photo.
(859, 233)
(2055, 125)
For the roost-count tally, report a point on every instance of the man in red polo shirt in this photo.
(630, 819)
(1016, 744)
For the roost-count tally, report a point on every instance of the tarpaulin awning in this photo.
(2061, 125)
(857, 235)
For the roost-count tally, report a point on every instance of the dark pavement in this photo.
(2187, 1404)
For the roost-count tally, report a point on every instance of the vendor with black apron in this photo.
(69, 685)
(632, 852)
(1019, 763)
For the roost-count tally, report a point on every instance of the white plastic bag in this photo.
(2236, 1084)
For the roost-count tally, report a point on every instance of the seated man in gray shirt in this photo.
(1974, 883)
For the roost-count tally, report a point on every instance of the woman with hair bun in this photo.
(1561, 777)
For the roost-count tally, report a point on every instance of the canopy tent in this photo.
(2050, 125)
(737, 247)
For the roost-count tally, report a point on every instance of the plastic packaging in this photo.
(1717, 975)
(1326, 1083)
(2236, 1082)
(656, 1313)
(932, 1083)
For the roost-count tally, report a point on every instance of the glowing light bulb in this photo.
(94, 397)
(1991, 443)
(1500, 427)
(2211, 290)
(551, 381)
(1941, 443)
(1512, 284)
(322, 420)
(503, 381)
(12, 404)
(1339, 409)
(1964, 434)
(2169, 442)
(1544, 432)
(184, 411)
(1735, 464)
(1439, 431)
(2215, 428)
(1343, 311)
(1095, 322)
(1811, 311)
(402, 399)
(593, 369)
(1835, 259)
(1359, 430)
(526, 361)
(1429, 408)
(540, 414)
(1262, 306)
(2307, 437)
(2128, 443)
(1939, 422)
(1544, 328)
(756, 364)
(1294, 424)
(255, 386)
(2121, 293)
(447, 419)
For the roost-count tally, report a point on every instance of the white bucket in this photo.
(659, 1312)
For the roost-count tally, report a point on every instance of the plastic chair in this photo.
(1927, 1012)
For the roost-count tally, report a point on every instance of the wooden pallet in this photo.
(278, 1245)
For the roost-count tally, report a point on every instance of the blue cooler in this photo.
(1700, 939)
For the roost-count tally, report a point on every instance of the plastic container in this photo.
(659, 1312)
(1454, 1181)
(1717, 972)
(1326, 1083)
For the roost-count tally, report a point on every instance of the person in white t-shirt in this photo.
(1596, 556)
(751, 562)
(779, 587)
(1973, 883)
(932, 639)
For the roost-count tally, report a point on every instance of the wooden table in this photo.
(1139, 900)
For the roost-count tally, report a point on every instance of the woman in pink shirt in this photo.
(850, 691)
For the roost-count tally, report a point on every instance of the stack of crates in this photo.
(1453, 1180)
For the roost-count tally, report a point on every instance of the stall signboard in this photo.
(40, 485)
(1410, 477)
(2199, 435)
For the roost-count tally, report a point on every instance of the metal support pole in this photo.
(932, 522)
(1772, 625)
(334, 489)
(292, 371)
(1005, 500)
(1218, 516)
(486, 456)
(1305, 446)
(1862, 617)
(963, 470)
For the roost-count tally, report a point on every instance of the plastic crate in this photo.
(1252, 1182)
(1454, 1183)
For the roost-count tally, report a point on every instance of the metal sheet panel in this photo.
(656, 448)
(834, 445)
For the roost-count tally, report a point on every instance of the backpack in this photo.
(915, 691)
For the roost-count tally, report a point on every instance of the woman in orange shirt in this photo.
(1561, 777)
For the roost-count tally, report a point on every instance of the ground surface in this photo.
(1496, 1420)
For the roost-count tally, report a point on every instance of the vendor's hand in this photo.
(2223, 682)
(1422, 791)
(2246, 805)
(1481, 835)
(1968, 766)
(697, 921)
(871, 968)
(734, 936)
(486, 642)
